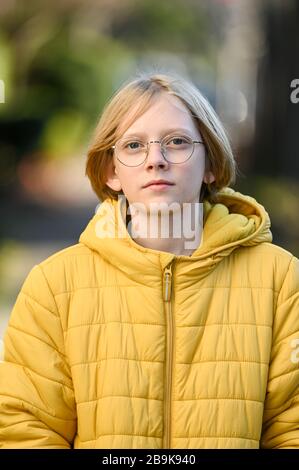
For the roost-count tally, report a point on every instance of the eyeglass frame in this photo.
(159, 142)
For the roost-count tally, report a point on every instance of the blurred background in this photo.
(61, 60)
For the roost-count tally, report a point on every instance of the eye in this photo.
(132, 145)
(177, 141)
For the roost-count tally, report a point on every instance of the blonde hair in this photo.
(132, 100)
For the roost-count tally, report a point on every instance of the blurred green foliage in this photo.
(61, 63)
(10, 252)
(177, 26)
(62, 60)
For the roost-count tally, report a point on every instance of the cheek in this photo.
(128, 180)
(193, 174)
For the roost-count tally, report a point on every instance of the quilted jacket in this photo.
(113, 345)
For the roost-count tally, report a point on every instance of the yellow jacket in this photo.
(112, 345)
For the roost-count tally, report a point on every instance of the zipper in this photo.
(167, 291)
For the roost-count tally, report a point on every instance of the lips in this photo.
(158, 182)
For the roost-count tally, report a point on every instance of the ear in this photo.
(208, 177)
(112, 179)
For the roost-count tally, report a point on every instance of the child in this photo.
(128, 340)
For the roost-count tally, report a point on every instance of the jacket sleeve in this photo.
(281, 408)
(37, 405)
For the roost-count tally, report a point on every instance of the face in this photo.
(167, 113)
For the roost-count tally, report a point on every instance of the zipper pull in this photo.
(167, 284)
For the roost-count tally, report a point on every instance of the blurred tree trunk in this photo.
(277, 118)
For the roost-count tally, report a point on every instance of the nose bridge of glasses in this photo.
(155, 142)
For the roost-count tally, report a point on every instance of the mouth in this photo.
(159, 183)
(158, 188)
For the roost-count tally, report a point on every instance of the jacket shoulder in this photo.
(269, 263)
(271, 251)
(69, 268)
(66, 253)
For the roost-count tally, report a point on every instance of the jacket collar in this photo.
(235, 220)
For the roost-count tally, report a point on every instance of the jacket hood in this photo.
(235, 220)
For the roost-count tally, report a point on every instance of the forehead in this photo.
(164, 111)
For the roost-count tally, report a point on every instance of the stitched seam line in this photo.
(224, 360)
(281, 375)
(175, 401)
(22, 292)
(154, 287)
(283, 339)
(217, 437)
(57, 310)
(66, 256)
(177, 363)
(36, 407)
(47, 378)
(219, 398)
(285, 405)
(281, 288)
(231, 287)
(117, 396)
(20, 422)
(163, 324)
(116, 321)
(176, 437)
(36, 337)
(117, 434)
(113, 358)
(287, 422)
(104, 287)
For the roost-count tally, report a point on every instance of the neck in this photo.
(174, 231)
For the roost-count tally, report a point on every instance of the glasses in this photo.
(175, 149)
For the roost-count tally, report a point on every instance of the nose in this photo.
(155, 157)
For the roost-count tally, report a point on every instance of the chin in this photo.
(170, 201)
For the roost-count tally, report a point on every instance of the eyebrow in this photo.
(164, 132)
